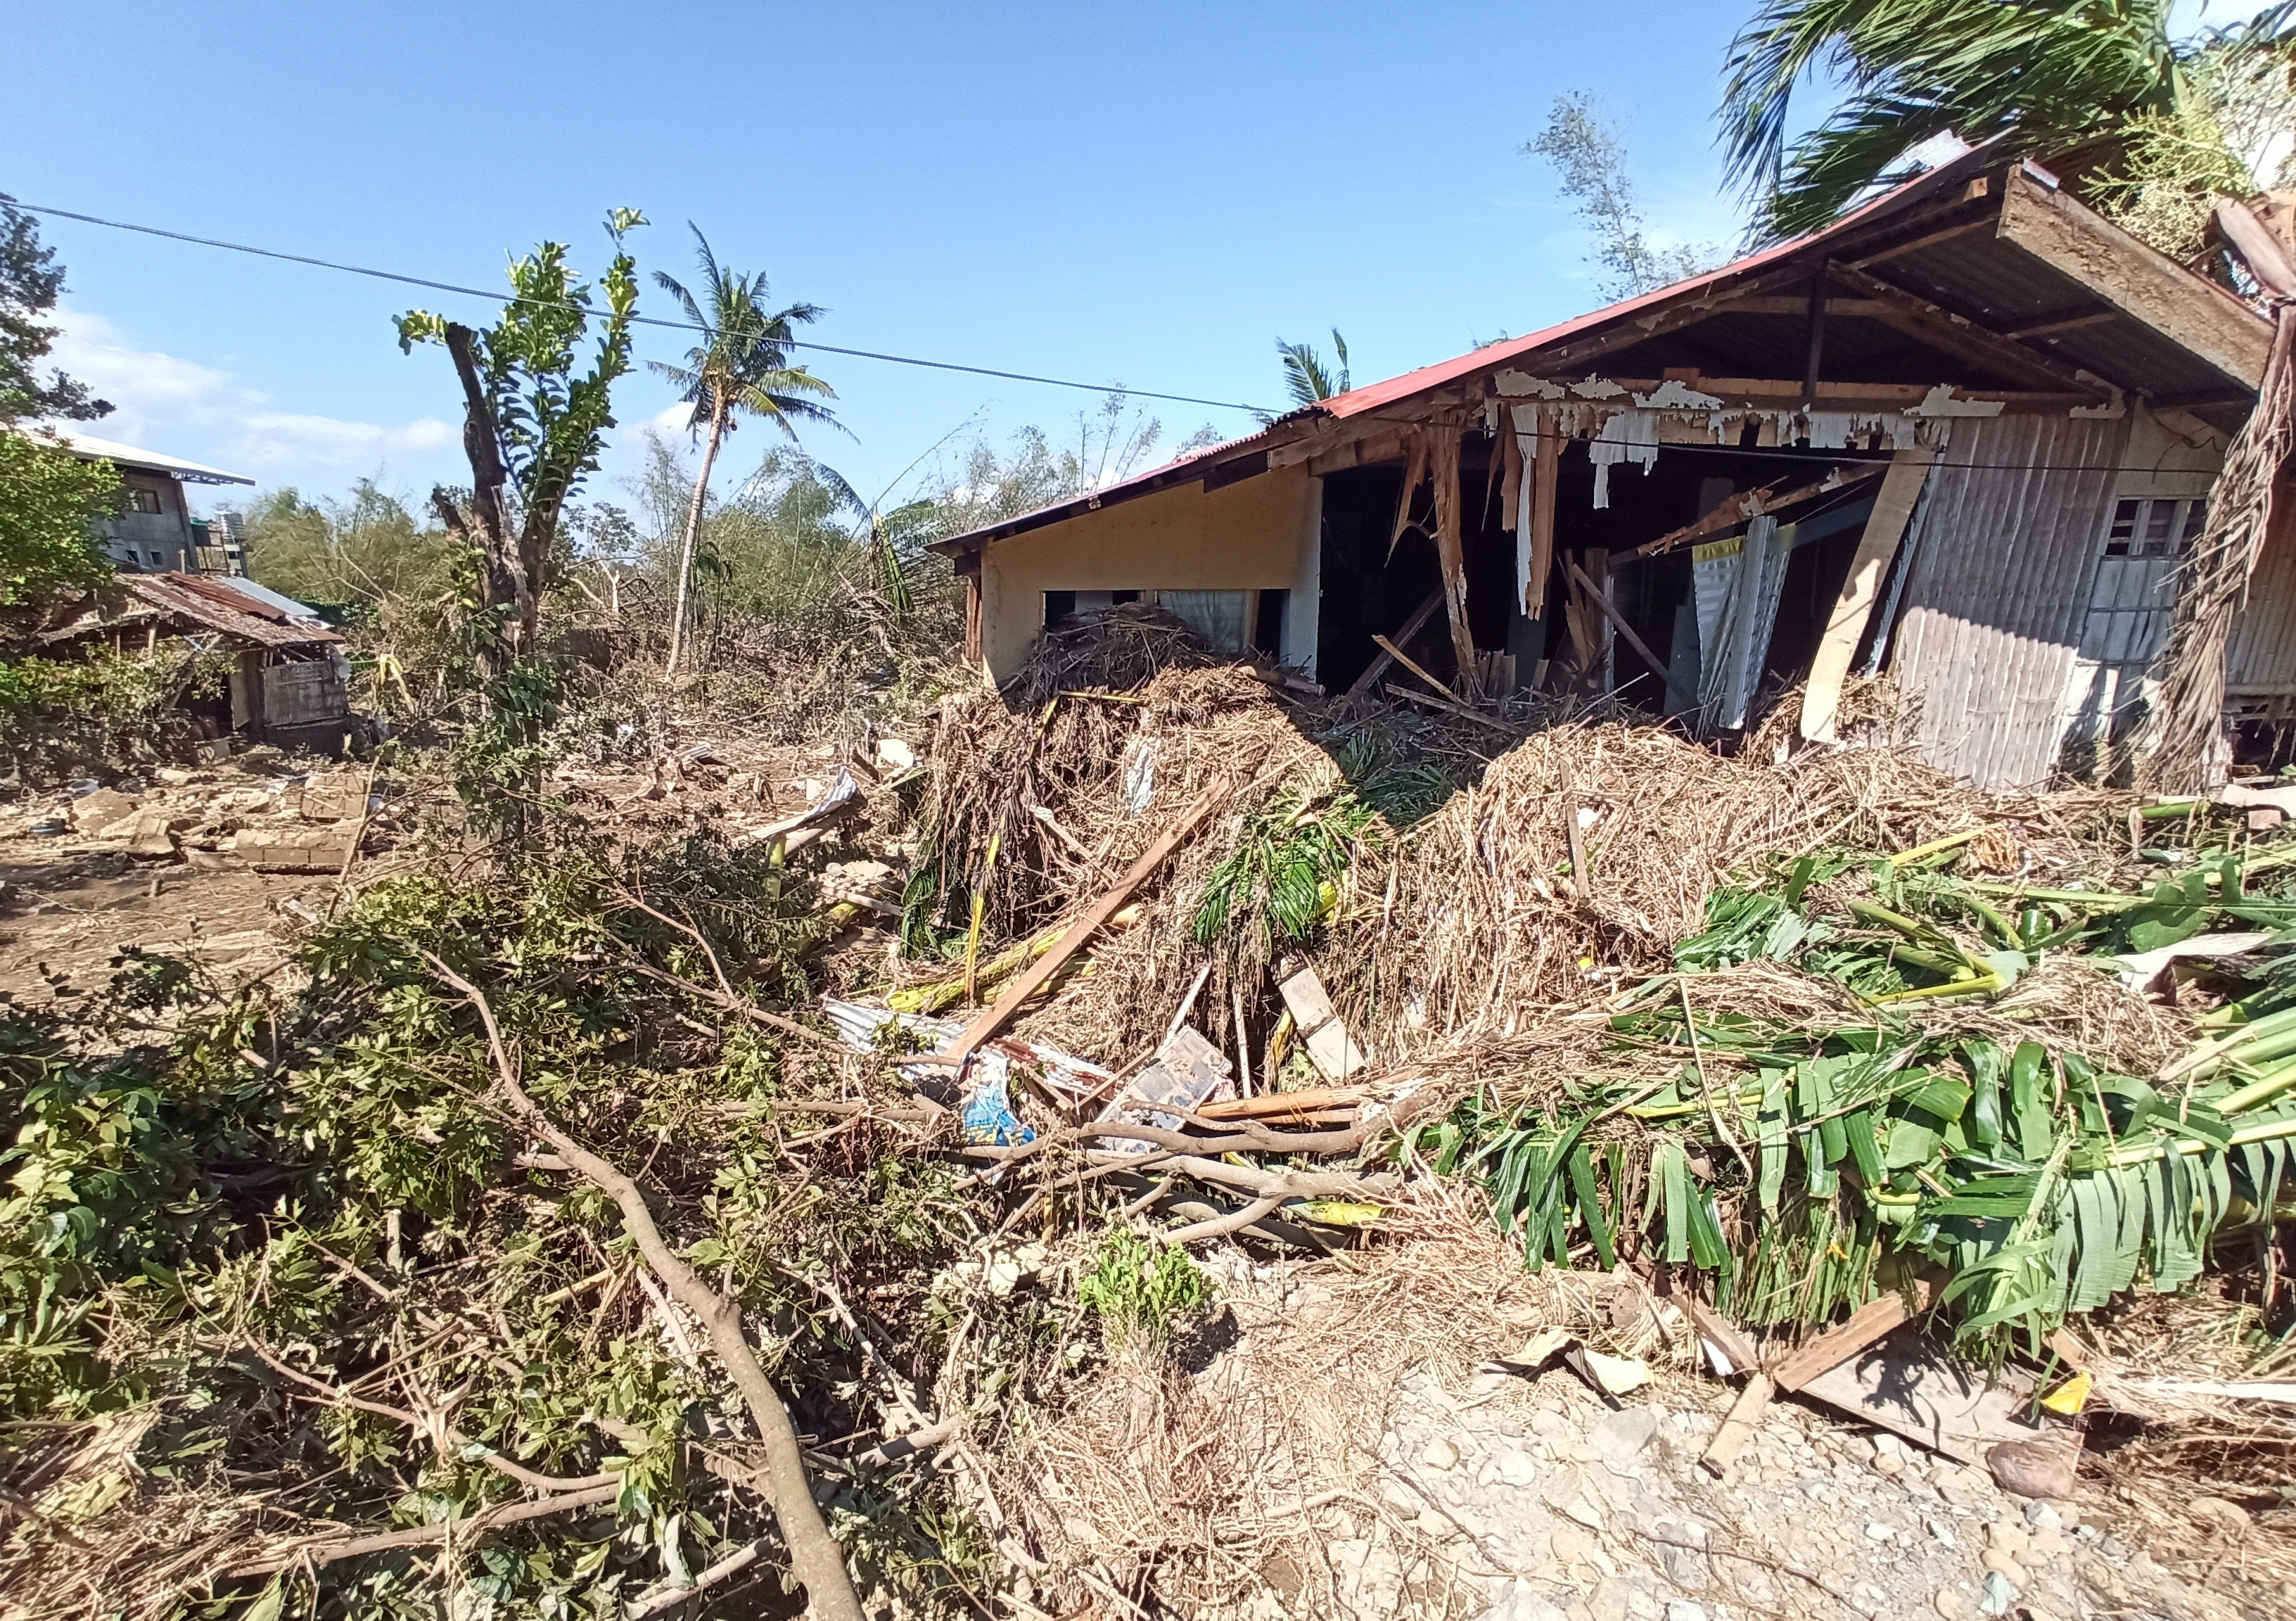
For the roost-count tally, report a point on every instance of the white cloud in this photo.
(180, 408)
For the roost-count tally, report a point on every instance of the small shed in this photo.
(290, 684)
(1962, 435)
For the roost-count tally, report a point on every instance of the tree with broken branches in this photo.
(532, 428)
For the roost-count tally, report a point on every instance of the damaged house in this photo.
(289, 683)
(1962, 436)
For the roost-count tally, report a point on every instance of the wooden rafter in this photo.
(1957, 336)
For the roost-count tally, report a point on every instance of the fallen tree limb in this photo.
(1267, 1184)
(736, 1005)
(814, 1557)
(1250, 1139)
(1219, 1226)
(314, 1554)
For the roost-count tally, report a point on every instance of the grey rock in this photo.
(2043, 1515)
(1683, 1609)
(1998, 1595)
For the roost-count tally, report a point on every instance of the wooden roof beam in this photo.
(1959, 336)
(2139, 282)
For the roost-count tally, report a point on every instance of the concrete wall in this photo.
(1260, 534)
(132, 539)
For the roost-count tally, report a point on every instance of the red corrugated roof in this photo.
(1356, 402)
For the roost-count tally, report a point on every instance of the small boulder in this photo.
(2043, 1466)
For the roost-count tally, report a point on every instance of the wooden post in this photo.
(1829, 666)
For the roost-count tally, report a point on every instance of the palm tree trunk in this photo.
(692, 532)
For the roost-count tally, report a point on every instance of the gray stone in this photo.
(1683, 1609)
(1877, 1532)
(2043, 1515)
(1999, 1594)
(1620, 1436)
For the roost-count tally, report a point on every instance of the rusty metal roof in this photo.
(1996, 283)
(220, 609)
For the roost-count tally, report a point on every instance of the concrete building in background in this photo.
(156, 533)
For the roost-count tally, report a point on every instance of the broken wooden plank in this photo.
(1732, 511)
(1377, 667)
(1877, 548)
(1409, 663)
(1330, 1049)
(1658, 665)
(1911, 1390)
(1872, 1321)
(1311, 1098)
(1450, 554)
(1545, 464)
(1432, 701)
(1711, 1325)
(1026, 984)
(1738, 1426)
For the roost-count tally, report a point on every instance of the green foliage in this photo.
(106, 710)
(1305, 373)
(535, 428)
(31, 281)
(50, 504)
(368, 550)
(1140, 1297)
(2061, 74)
(1282, 879)
(1592, 167)
(1807, 1167)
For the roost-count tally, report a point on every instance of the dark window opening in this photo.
(1267, 623)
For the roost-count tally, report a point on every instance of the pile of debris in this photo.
(1796, 1037)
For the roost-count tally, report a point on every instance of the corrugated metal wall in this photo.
(2263, 659)
(2004, 545)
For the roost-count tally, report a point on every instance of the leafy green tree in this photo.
(2073, 79)
(30, 280)
(741, 365)
(369, 549)
(1305, 373)
(49, 500)
(50, 503)
(532, 428)
(1591, 165)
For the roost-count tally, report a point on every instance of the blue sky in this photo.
(1134, 193)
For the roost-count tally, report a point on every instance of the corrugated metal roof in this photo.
(188, 596)
(1971, 272)
(89, 445)
(1997, 591)
(2262, 656)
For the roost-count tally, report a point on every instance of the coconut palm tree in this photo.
(1304, 372)
(741, 365)
(2073, 79)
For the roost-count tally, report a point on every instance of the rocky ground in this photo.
(1545, 1503)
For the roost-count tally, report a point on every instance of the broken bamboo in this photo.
(1377, 667)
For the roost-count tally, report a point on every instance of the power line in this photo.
(941, 366)
(480, 293)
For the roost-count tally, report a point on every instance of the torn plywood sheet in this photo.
(1900, 1384)
(1188, 1073)
(1330, 1047)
